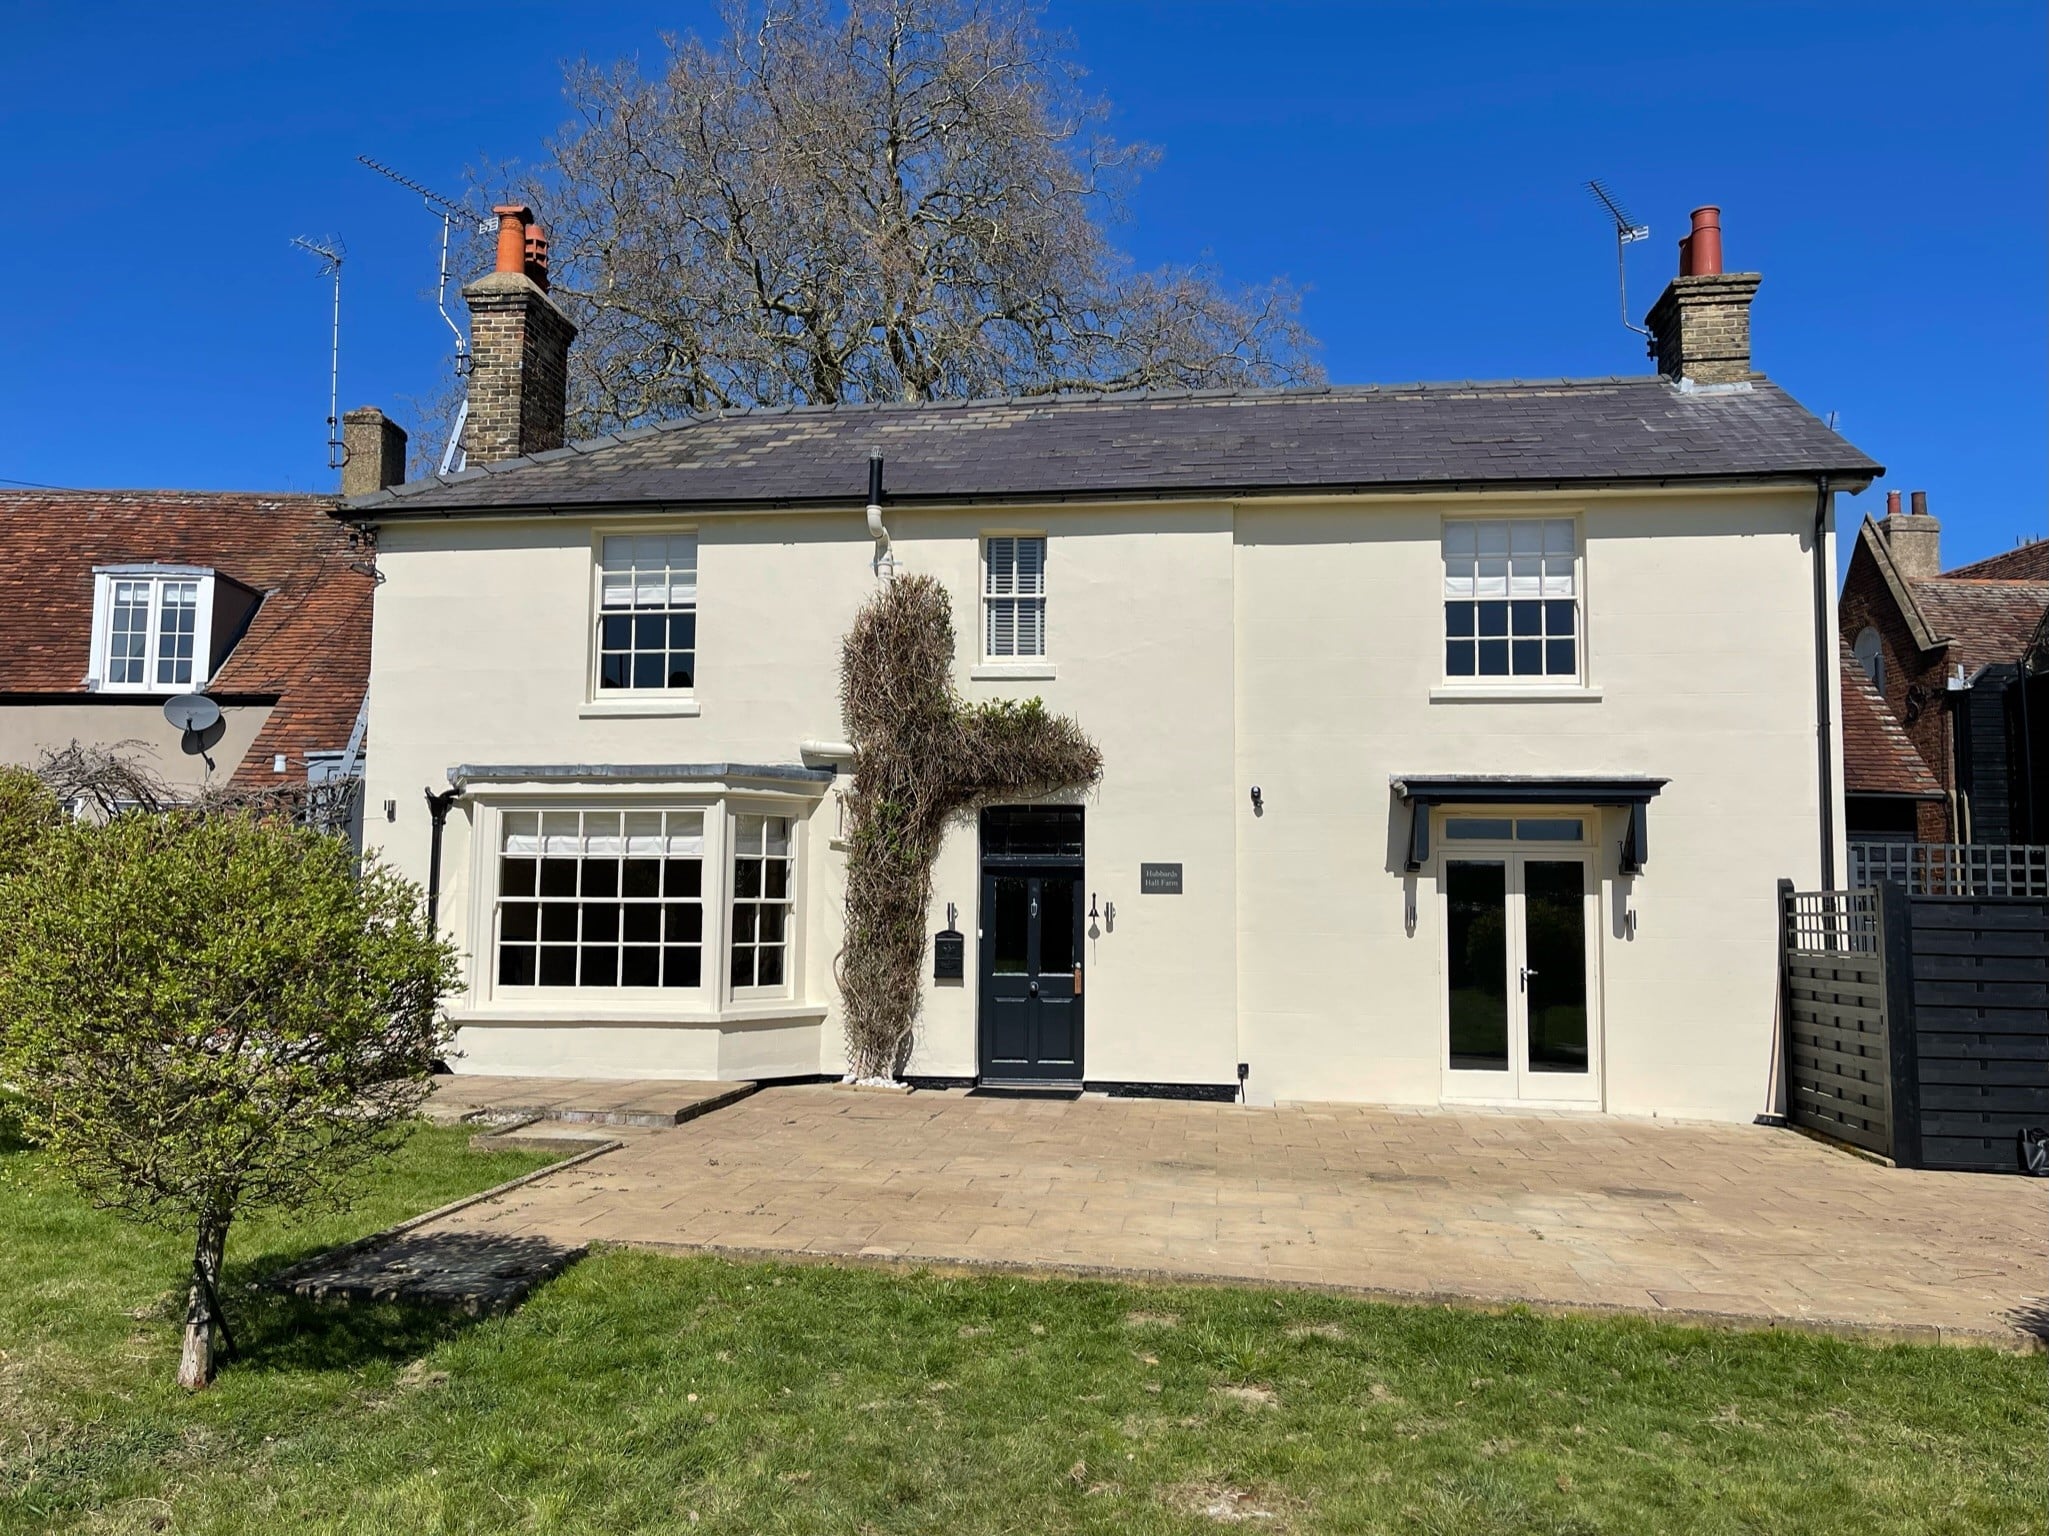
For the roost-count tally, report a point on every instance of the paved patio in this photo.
(1692, 1222)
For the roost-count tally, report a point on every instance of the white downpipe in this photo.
(884, 563)
(885, 557)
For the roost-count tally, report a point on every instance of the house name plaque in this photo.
(1159, 879)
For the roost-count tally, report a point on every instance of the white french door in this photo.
(1521, 993)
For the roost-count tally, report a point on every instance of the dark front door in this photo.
(1031, 949)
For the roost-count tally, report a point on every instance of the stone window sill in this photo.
(1014, 671)
(743, 1011)
(641, 708)
(1512, 695)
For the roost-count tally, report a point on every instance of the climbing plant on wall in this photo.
(923, 759)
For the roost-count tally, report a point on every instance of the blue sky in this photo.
(1415, 168)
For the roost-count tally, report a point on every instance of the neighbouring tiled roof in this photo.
(308, 644)
(1983, 621)
(1569, 431)
(1878, 756)
(2030, 562)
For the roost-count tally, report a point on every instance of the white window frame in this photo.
(990, 597)
(736, 849)
(1477, 680)
(599, 994)
(679, 699)
(99, 667)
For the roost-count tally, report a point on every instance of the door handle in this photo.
(1035, 989)
(1077, 981)
(1527, 974)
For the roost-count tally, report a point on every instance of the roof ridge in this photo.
(143, 493)
(1985, 581)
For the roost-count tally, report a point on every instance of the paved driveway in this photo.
(1701, 1220)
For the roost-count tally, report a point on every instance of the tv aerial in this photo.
(1627, 233)
(331, 251)
(451, 213)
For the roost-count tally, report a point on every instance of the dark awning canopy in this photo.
(1630, 791)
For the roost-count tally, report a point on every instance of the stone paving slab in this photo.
(598, 1101)
(1716, 1223)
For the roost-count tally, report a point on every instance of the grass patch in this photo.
(642, 1393)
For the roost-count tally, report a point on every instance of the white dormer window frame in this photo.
(152, 628)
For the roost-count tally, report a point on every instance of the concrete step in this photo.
(512, 1101)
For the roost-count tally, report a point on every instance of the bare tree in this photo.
(869, 200)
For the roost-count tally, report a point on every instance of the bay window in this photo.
(638, 903)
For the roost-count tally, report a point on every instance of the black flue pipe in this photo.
(875, 478)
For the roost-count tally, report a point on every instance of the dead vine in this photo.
(923, 758)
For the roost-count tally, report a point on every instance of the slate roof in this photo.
(308, 646)
(1985, 622)
(1557, 432)
(1878, 756)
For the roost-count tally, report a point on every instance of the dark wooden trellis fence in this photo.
(1917, 1026)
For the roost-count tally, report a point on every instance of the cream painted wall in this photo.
(27, 731)
(1700, 647)
(1207, 648)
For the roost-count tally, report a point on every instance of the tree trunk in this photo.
(195, 1364)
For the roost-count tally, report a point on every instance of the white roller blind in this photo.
(649, 570)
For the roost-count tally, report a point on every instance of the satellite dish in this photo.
(192, 712)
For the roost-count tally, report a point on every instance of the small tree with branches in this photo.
(209, 1013)
(923, 759)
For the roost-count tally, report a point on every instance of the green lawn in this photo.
(639, 1393)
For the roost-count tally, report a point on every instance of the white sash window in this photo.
(647, 613)
(1511, 599)
(1014, 596)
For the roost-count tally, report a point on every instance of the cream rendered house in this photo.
(1455, 736)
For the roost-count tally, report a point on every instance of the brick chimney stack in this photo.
(519, 349)
(1700, 326)
(373, 451)
(1914, 539)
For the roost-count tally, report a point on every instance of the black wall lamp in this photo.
(1258, 801)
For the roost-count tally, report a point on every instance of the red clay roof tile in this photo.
(1984, 621)
(308, 645)
(1878, 756)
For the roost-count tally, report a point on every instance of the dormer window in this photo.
(163, 628)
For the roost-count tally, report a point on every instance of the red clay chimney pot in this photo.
(1704, 245)
(513, 219)
(537, 255)
(1686, 255)
(1892, 503)
(1920, 503)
